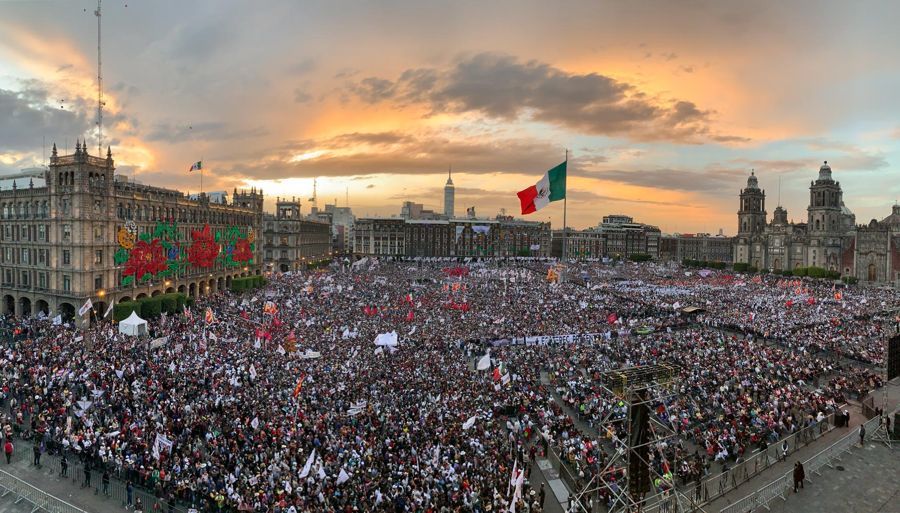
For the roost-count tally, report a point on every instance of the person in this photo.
(541, 495)
(799, 475)
(129, 494)
(138, 506)
(105, 480)
(37, 456)
(862, 435)
(87, 476)
(784, 450)
(8, 450)
(64, 466)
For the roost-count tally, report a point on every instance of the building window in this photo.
(25, 278)
(42, 280)
(67, 232)
(98, 282)
(26, 256)
(98, 233)
(42, 232)
(8, 277)
(67, 283)
(66, 257)
(98, 257)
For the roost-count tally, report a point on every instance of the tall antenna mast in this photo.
(315, 196)
(347, 196)
(99, 86)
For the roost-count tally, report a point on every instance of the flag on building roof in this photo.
(551, 187)
(197, 166)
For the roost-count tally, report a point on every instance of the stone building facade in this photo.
(829, 238)
(83, 232)
(490, 238)
(292, 242)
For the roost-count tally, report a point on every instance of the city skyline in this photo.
(665, 109)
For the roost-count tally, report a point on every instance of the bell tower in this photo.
(752, 214)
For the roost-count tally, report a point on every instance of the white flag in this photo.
(252, 371)
(255, 422)
(109, 310)
(469, 423)
(343, 477)
(280, 349)
(308, 466)
(86, 307)
(485, 362)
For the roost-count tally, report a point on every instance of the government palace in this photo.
(76, 231)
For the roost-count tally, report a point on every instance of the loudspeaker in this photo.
(638, 467)
(893, 357)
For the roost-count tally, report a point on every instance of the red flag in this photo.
(811, 301)
(410, 316)
(299, 386)
(496, 373)
(612, 318)
(789, 303)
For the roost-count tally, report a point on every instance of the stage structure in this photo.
(643, 390)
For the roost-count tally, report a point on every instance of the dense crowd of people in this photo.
(280, 400)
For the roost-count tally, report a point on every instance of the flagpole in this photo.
(565, 205)
(201, 175)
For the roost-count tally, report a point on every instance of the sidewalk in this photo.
(780, 468)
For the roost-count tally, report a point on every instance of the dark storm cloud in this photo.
(505, 88)
(29, 115)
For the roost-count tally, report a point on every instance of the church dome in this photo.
(825, 171)
(752, 183)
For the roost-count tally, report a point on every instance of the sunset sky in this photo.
(665, 106)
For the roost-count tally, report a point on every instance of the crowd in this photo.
(218, 414)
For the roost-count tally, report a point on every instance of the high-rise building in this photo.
(449, 196)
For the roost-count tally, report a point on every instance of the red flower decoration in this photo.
(242, 251)
(145, 258)
(204, 250)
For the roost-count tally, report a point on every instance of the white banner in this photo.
(544, 340)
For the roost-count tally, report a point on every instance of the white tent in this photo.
(133, 325)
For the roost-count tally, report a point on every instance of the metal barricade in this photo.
(40, 500)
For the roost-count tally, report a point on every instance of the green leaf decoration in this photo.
(128, 280)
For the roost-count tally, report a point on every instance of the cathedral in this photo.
(830, 237)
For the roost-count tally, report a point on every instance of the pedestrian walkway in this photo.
(864, 481)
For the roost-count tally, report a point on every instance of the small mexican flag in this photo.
(197, 166)
(551, 187)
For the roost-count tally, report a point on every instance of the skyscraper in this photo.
(449, 193)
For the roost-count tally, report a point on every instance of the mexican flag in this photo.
(197, 166)
(551, 187)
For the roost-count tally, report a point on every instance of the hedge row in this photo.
(152, 307)
(247, 283)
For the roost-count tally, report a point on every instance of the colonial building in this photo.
(617, 236)
(79, 231)
(292, 242)
(829, 238)
(500, 237)
(700, 246)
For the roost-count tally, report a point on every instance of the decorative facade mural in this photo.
(160, 254)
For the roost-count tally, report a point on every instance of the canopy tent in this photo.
(133, 325)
